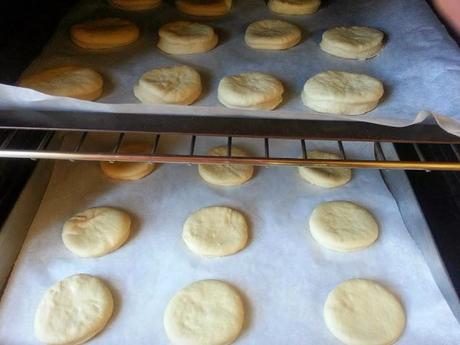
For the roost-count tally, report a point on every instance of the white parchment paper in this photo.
(420, 64)
(283, 274)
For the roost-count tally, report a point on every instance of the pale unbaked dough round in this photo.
(362, 312)
(204, 8)
(73, 310)
(325, 177)
(67, 81)
(96, 231)
(343, 93)
(294, 7)
(127, 171)
(251, 90)
(355, 42)
(184, 37)
(226, 174)
(169, 85)
(135, 5)
(343, 226)
(105, 33)
(272, 34)
(207, 312)
(215, 231)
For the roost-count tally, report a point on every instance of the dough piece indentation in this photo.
(272, 34)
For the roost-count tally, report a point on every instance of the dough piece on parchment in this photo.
(207, 312)
(129, 171)
(272, 34)
(204, 8)
(226, 174)
(215, 231)
(343, 93)
(294, 7)
(184, 37)
(325, 177)
(343, 226)
(251, 90)
(169, 85)
(362, 312)
(105, 33)
(96, 231)
(355, 42)
(73, 310)
(135, 5)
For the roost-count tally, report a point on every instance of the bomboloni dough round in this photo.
(129, 171)
(105, 33)
(272, 34)
(343, 226)
(226, 175)
(325, 177)
(342, 93)
(204, 8)
(96, 231)
(362, 312)
(73, 310)
(169, 85)
(251, 90)
(294, 7)
(67, 81)
(184, 37)
(135, 5)
(355, 42)
(207, 312)
(215, 231)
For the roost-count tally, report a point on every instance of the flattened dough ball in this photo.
(67, 81)
(343, 226)
(251, 90)
(204, 8)
(215, 231)
(105, 33)
(96, 231)
(207, 312)
(73, 310)
(127, 171)
(294, 7)
(342, 93)
(362, 312)
(135, 5)
(184, 37)
(325, 177)
(226, 175)
(169, 85)
(272, 34)
(355, 42)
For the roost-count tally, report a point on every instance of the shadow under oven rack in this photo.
(48, 125)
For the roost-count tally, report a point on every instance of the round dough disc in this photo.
(204, 8)
(184, 37)
(68, 81)
(343, 226)
(135, 5)
(105, 33)
(169, 85)
(362, 312)
(272, 34)
(73, 310)
(343, 93)
(215, 231)
(127, 171)
(207, 312)
(294, 7)
(355, 42)
(325, 177)
(96, 231)
(251, 90)
(226, 174)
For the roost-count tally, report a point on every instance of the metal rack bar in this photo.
(304, 149)
(8, 139)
